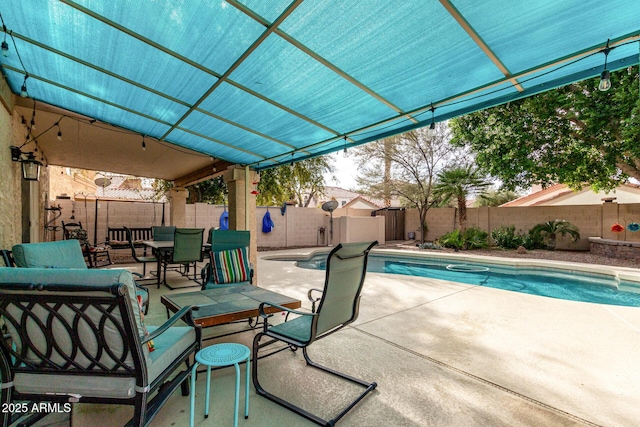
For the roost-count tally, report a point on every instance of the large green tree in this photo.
(574, 135)
(299, 182)
(406, 165)
(494, 198)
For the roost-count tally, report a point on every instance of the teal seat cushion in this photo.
(168, 346)
(60, 254)
(298, 329)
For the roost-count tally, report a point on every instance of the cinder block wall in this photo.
(301, 227)
(591, 220)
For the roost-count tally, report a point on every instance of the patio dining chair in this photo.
(187, 251)
(336, 308)
(140, 259)
(164, 233)
(229, 259)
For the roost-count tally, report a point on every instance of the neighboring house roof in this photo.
(560, 194)
(352, 199)
(361, 203)
(129, 188)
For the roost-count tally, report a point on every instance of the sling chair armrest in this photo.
(184, 314)
(314, 300)
(288, 310)
(311, 298)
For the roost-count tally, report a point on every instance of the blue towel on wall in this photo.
(224, 221)
(267, 223)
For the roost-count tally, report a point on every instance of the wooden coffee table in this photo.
(225, 305)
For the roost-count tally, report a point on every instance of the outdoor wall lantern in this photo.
(30, 166)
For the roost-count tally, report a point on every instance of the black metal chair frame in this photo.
(32, 304)
(90, 255)
(140, 259)
(7, 258)
(295, 344)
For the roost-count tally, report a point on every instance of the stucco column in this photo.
(178, 206)
(242, 207)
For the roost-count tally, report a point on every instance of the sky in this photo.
(345, 171)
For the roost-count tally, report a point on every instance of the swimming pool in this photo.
(553, 283)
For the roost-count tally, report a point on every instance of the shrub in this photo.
(472, 238)
(548, 232)
(506, 237)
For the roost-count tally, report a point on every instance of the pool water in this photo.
(550, 283)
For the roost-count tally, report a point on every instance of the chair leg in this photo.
(140, 410)
(261, 391)
(5, 400)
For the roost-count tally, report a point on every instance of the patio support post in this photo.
(178, 206)
(241, 184)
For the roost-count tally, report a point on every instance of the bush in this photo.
(507, 238)
(472, 238)
(453, 239)
(547, 232)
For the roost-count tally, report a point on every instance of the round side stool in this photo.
(219, 355)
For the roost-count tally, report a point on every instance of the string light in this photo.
(344, 152)
(59, 131)
(23, 89)
(432, 127)
(605, 76)
(33, 115)
(144, 146)
(5, 45)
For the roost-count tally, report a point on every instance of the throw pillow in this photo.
(150, 345)
(230, 266)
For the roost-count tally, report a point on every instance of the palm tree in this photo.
(457, 183)
(549, 231)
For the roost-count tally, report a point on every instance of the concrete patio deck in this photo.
(442, 353)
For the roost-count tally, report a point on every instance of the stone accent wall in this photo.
(615, 249)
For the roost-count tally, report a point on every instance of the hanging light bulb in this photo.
(344, 152)
(5, 45)
(59, 132)
(23, 89)
(605, 81)
(605, 76)
(144, 146)
(432, 127)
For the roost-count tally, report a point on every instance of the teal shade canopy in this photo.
(267, 82)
